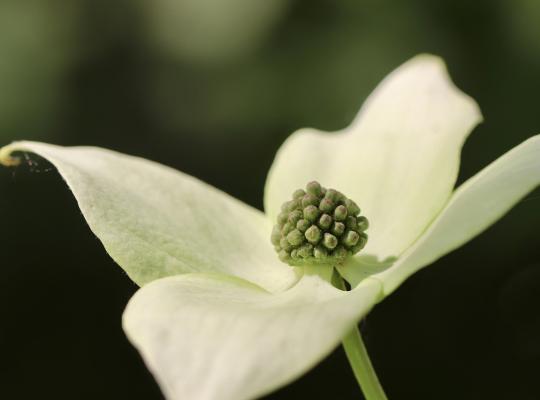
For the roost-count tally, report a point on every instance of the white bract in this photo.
(218, 316)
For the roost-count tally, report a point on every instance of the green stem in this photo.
(362, 367)
(359, 359)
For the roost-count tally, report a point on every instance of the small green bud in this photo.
(330, 241)
(340, 252)
(363, 239)
(298, 194)
(284, 244)
(350, 238)
(313, 234)
(362, 223)
(283, 255)
(311, 213)
(361, 243)
(305, 251)
(282, 218)
(318, 226)
(314, 188)
(309, 200)
(288, 206)
(338, 228)
(292, 205)
(295, 216)
(302, 225)
(327, 205)
(340, 213)
(331, 194)
(352, 207)
(286, 229)
(295, 237)
(351, 222)
(325, 221)
(320, 252)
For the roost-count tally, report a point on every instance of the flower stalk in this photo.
(358, 357)
(362, 367)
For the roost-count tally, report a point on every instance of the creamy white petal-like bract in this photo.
(474, 206)
(217, 338)
(398, 160)
(155, 221)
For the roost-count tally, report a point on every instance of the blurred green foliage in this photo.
(159, 74)
(238, 66)
(36, 52)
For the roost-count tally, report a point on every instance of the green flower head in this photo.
(215, 322)
(318, 227)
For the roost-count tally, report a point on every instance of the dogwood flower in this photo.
(218, 315)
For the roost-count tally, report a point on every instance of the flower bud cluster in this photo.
(319, 226)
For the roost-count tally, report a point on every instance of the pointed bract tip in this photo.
(6, 157)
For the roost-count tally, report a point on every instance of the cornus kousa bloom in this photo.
(234, 302)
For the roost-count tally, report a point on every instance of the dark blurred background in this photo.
(213, 87)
